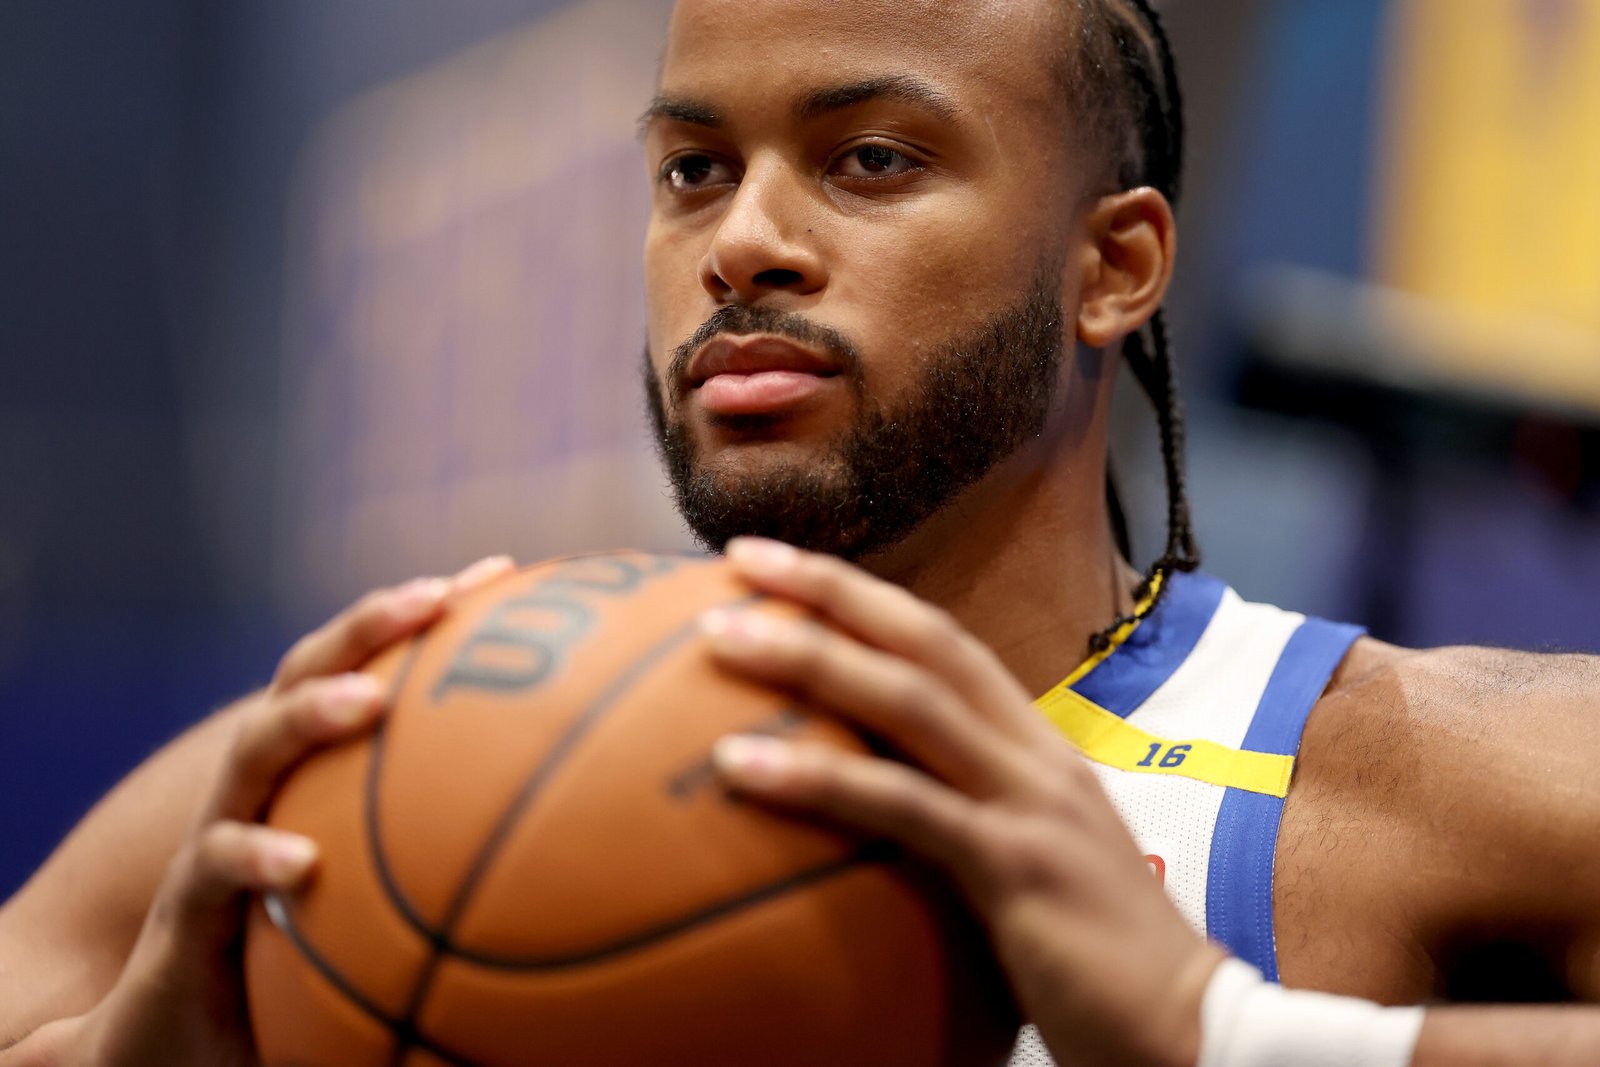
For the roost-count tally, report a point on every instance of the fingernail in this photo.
(738, 630)
(485, 570)
(349, 698)
(752, 759)
(757, 555)
(286, 858)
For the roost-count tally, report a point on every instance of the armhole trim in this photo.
(1244, 843)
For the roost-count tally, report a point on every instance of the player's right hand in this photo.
(179, 999)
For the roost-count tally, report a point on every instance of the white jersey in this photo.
(1212, 693)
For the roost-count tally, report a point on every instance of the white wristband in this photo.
(1247, 1021)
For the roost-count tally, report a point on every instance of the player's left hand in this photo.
(178, 1000)
(1097, 956)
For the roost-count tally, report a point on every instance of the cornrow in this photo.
(1161, 101)
(1140, 65)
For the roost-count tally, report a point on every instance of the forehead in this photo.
(988, 55)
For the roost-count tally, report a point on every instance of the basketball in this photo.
(533, 862)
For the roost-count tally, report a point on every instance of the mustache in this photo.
(743, 319)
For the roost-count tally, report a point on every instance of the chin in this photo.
(753, 470)
(765, 457)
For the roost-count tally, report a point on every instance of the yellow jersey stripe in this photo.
(1113, 741)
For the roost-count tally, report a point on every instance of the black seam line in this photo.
(281, 911)
(374, 834)
(391, 884)
(407, 1036)
(555, 757)
(403, 1030)
(872, 853)
(440, 938)
(587, 720)
(280, 908)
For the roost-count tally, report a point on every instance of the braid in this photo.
(1142, 90)
(1157, 375)
(1182, 552)
(1164, 98)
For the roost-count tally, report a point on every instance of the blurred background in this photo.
(304, 297)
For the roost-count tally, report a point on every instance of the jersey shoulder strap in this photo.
(1244, 841)
(1215, 690)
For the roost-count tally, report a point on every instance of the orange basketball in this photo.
(532, 863)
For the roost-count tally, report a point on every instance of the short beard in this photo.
(977, 401)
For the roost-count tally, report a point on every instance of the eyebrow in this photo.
(813, 105)
(680, 109)
(902, 88)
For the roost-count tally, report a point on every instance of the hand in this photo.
(179, 998)
(1097, 956)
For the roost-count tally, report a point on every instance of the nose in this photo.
(762, 245)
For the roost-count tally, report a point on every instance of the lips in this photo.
(739, 376)
(757, 355)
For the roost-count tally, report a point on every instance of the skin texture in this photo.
(903, 263)
(1400, 853)
(1442, 799)
(1454, 793)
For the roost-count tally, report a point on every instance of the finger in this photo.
(891, 698)
(219, 863)
(887, 616)
(364, 629)
(228, 858)
(480, 574)
(878, 797)
(282, 729)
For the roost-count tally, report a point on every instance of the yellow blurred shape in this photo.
(1490, 192)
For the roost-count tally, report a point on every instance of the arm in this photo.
(1447, 801)
(1557, 1036)
(131, 921)
(1246, 1022)
(65, 934)
(1097, 957)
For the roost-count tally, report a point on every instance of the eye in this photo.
(874, 161)
(694, 170)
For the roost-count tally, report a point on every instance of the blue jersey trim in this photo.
(1245, 840)
(1157, 647)
(1309, 659)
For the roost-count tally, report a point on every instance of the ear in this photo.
(1131, 242)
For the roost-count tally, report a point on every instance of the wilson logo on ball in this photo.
(525, 639)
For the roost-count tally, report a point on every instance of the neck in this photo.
(1024, 559)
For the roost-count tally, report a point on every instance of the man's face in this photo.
(862, 215)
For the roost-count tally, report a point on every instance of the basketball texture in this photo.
(532, 863)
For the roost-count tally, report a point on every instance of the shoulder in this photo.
(1372, 663)
(1465, 698)
(1465, 725)
(1449, 790)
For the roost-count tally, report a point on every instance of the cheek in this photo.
(938, 274)
(671, 276)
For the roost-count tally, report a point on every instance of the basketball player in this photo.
(897, 249)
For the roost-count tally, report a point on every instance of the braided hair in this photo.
(1125, 81)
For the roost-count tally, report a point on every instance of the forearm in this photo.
(123, 949)
(1566, 1035)
(66, 933)
(1248, 1022)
